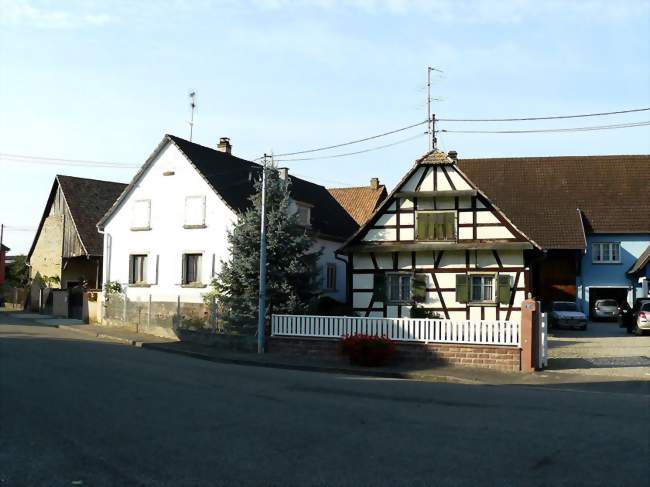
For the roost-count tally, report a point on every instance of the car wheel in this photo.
(638, 331)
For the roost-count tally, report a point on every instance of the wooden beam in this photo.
(428, 194)
(424, 246)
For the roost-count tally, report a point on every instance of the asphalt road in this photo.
(76, 411)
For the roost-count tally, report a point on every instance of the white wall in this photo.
(167, 239)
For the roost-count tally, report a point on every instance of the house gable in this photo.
(436, 185)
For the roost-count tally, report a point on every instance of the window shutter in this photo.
(419, 290)
(379, 289)
(462, 288)
(504, 287)
(450, 226)
(184, 269)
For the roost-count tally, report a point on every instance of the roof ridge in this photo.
(592, 156)
(89, 179)
(360, 187)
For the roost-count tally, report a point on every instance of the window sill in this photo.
(192, 227)
(140, 285)
(140, 229)
(194, 285)
(617, 262)
(491, 304)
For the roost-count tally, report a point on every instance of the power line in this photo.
(345, 154)
(568, 129)
(28, 159)
(352, 141)
(554, 117)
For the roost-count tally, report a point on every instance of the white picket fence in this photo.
(482, 332)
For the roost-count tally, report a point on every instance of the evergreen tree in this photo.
(291, 272)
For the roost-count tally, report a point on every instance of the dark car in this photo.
(565, 314)
(630, 317)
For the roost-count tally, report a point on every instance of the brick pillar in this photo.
(528, 308)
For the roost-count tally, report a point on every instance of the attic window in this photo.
(141, 217)
(194, 212)
(304, 215)
(436, 225)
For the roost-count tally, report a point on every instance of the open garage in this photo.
(619, 294)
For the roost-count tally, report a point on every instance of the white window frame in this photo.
(482, 297)
(187, 221)
(135, 224)
(132, 273)
(184, 280)
(307, 209)
(330, 286)
(425, 212)
(605, 248)
(401, 299)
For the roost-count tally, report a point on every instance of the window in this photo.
(138, 269)
(304, 215)
(606, 253)
(482, 288)
(399, 288)
(141, 218)
(436, 225)
(194, 212)
(330, 277)
(191, 268)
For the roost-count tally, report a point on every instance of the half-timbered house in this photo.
(438, 247)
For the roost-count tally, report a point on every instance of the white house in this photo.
(437, 246)
(165, 236)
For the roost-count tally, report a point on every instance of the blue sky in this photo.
(105, 80)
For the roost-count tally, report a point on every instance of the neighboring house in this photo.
(3, 257)
(360, 201)
(166, 234)
(639, 274)
(67, 245)
(590, 215)
(438, 246)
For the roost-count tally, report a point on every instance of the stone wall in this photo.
(482, 356)
(46, 258)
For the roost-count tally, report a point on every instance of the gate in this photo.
(76, 302)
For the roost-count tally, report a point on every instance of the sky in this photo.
(105, 80)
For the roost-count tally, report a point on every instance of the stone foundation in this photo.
(483, 356)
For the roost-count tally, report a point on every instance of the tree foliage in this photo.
(17, 273)
(291, 272)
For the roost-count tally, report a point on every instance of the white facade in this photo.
(170, 212)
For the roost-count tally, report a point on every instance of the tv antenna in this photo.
(192, 95)
(432, 119)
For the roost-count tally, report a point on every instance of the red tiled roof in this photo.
(542, 195)
(360, 202)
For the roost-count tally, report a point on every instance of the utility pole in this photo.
(2, 232)
(261, 318)
(192, 108)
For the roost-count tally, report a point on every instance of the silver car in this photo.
(565, 314)
(606, 309)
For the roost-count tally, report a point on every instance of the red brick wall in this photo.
(491, 357)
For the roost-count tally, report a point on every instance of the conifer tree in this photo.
(291, 272)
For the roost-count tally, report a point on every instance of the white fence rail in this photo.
(482, 332)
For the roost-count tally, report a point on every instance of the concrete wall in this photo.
(46, 258)
(610, 275)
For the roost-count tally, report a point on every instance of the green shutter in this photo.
(462, 288)
(419, 289)
(504, 286)
(450, 226)
(379, 288)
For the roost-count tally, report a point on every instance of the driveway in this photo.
(603, 349)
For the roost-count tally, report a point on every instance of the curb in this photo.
(126, 341)
(315, 368)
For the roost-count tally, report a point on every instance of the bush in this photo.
(367, 350)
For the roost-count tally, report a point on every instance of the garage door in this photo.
(619, 294)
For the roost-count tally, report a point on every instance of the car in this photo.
(606, 309)
(565, 314)
(637, 318)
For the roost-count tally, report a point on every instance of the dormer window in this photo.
(303, 214)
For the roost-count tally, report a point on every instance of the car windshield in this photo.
(564, 306)
(607, 302)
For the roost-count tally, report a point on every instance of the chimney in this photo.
(224, 145)
(374, 183)
(284, 173)
(453, 155)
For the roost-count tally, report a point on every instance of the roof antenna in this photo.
(431, 119)
(192, 95)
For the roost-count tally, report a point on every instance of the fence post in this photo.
(213, 314)
(149, 313)
(528, 308)
(124, 310)
(178, 311)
